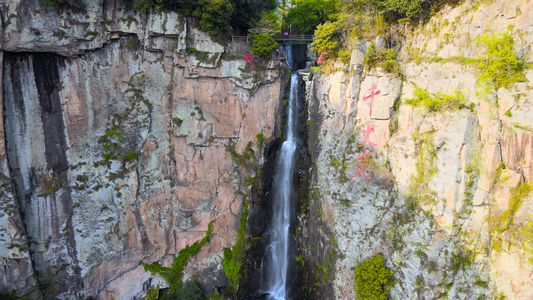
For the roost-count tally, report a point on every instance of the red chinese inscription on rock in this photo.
(362, 164)
(370, 97)
(366, 133)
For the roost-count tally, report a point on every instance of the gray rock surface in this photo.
(116, 145)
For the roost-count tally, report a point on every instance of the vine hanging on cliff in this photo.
(174, 274)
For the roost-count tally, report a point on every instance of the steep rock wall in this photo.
(441, 183)
(118, 153)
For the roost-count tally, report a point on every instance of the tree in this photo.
(306, 15)
(214, 15)
(248, 13)
(263, 45)
(268, 24)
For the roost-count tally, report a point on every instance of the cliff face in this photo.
(115, 146)
(448, 199)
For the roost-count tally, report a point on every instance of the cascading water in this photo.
(278, 250)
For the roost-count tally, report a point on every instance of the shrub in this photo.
(499, 64)
(263, 45)
(372, 279)
(191, 291)
(438, 102)
(384, 58)
(325, 39)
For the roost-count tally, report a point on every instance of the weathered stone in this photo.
(147, 166)
(452, 171)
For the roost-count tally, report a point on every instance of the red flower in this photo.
(249, 59)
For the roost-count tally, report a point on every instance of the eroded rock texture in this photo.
(115, 147)
(444, 203)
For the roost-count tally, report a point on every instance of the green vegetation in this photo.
(260, 138)
(372, 280)
(324, 270)
(300, 259)
(174, 274)
(51, 2)
(501, 222)
(508, 113)
(263, 44)
(111, 143)
(234, 256)
(461, 259)
(426, 167)
(326, 37)
(528, 240)
(268, 24)
(384, 58)
(130, 156)
(152, 293)
(133, 44)
(247, 158)
(439, 102)
(215, 16)
(306, 15)
(191, 291)
(499, 64)
(348, 21)
(51, 183)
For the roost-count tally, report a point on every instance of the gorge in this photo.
(135, 149)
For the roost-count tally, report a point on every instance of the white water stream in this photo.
(283, 194)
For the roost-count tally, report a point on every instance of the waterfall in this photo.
(278, 250)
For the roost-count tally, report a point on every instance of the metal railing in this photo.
(279, 54)
(294, 37)
(278, 37)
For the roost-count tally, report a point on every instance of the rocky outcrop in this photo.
(117, 130)
(447, 199)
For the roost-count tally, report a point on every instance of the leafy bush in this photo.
(439, 102)
(325, 39)
(384, 58)
(263, 45)
(372, 279)
(499, 65)
(191, 291)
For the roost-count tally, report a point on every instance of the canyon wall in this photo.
(443, 194)
(117, 139)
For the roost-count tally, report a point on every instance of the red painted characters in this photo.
(363, 159)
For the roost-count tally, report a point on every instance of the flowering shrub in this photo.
(321, 58)
(249, 59)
